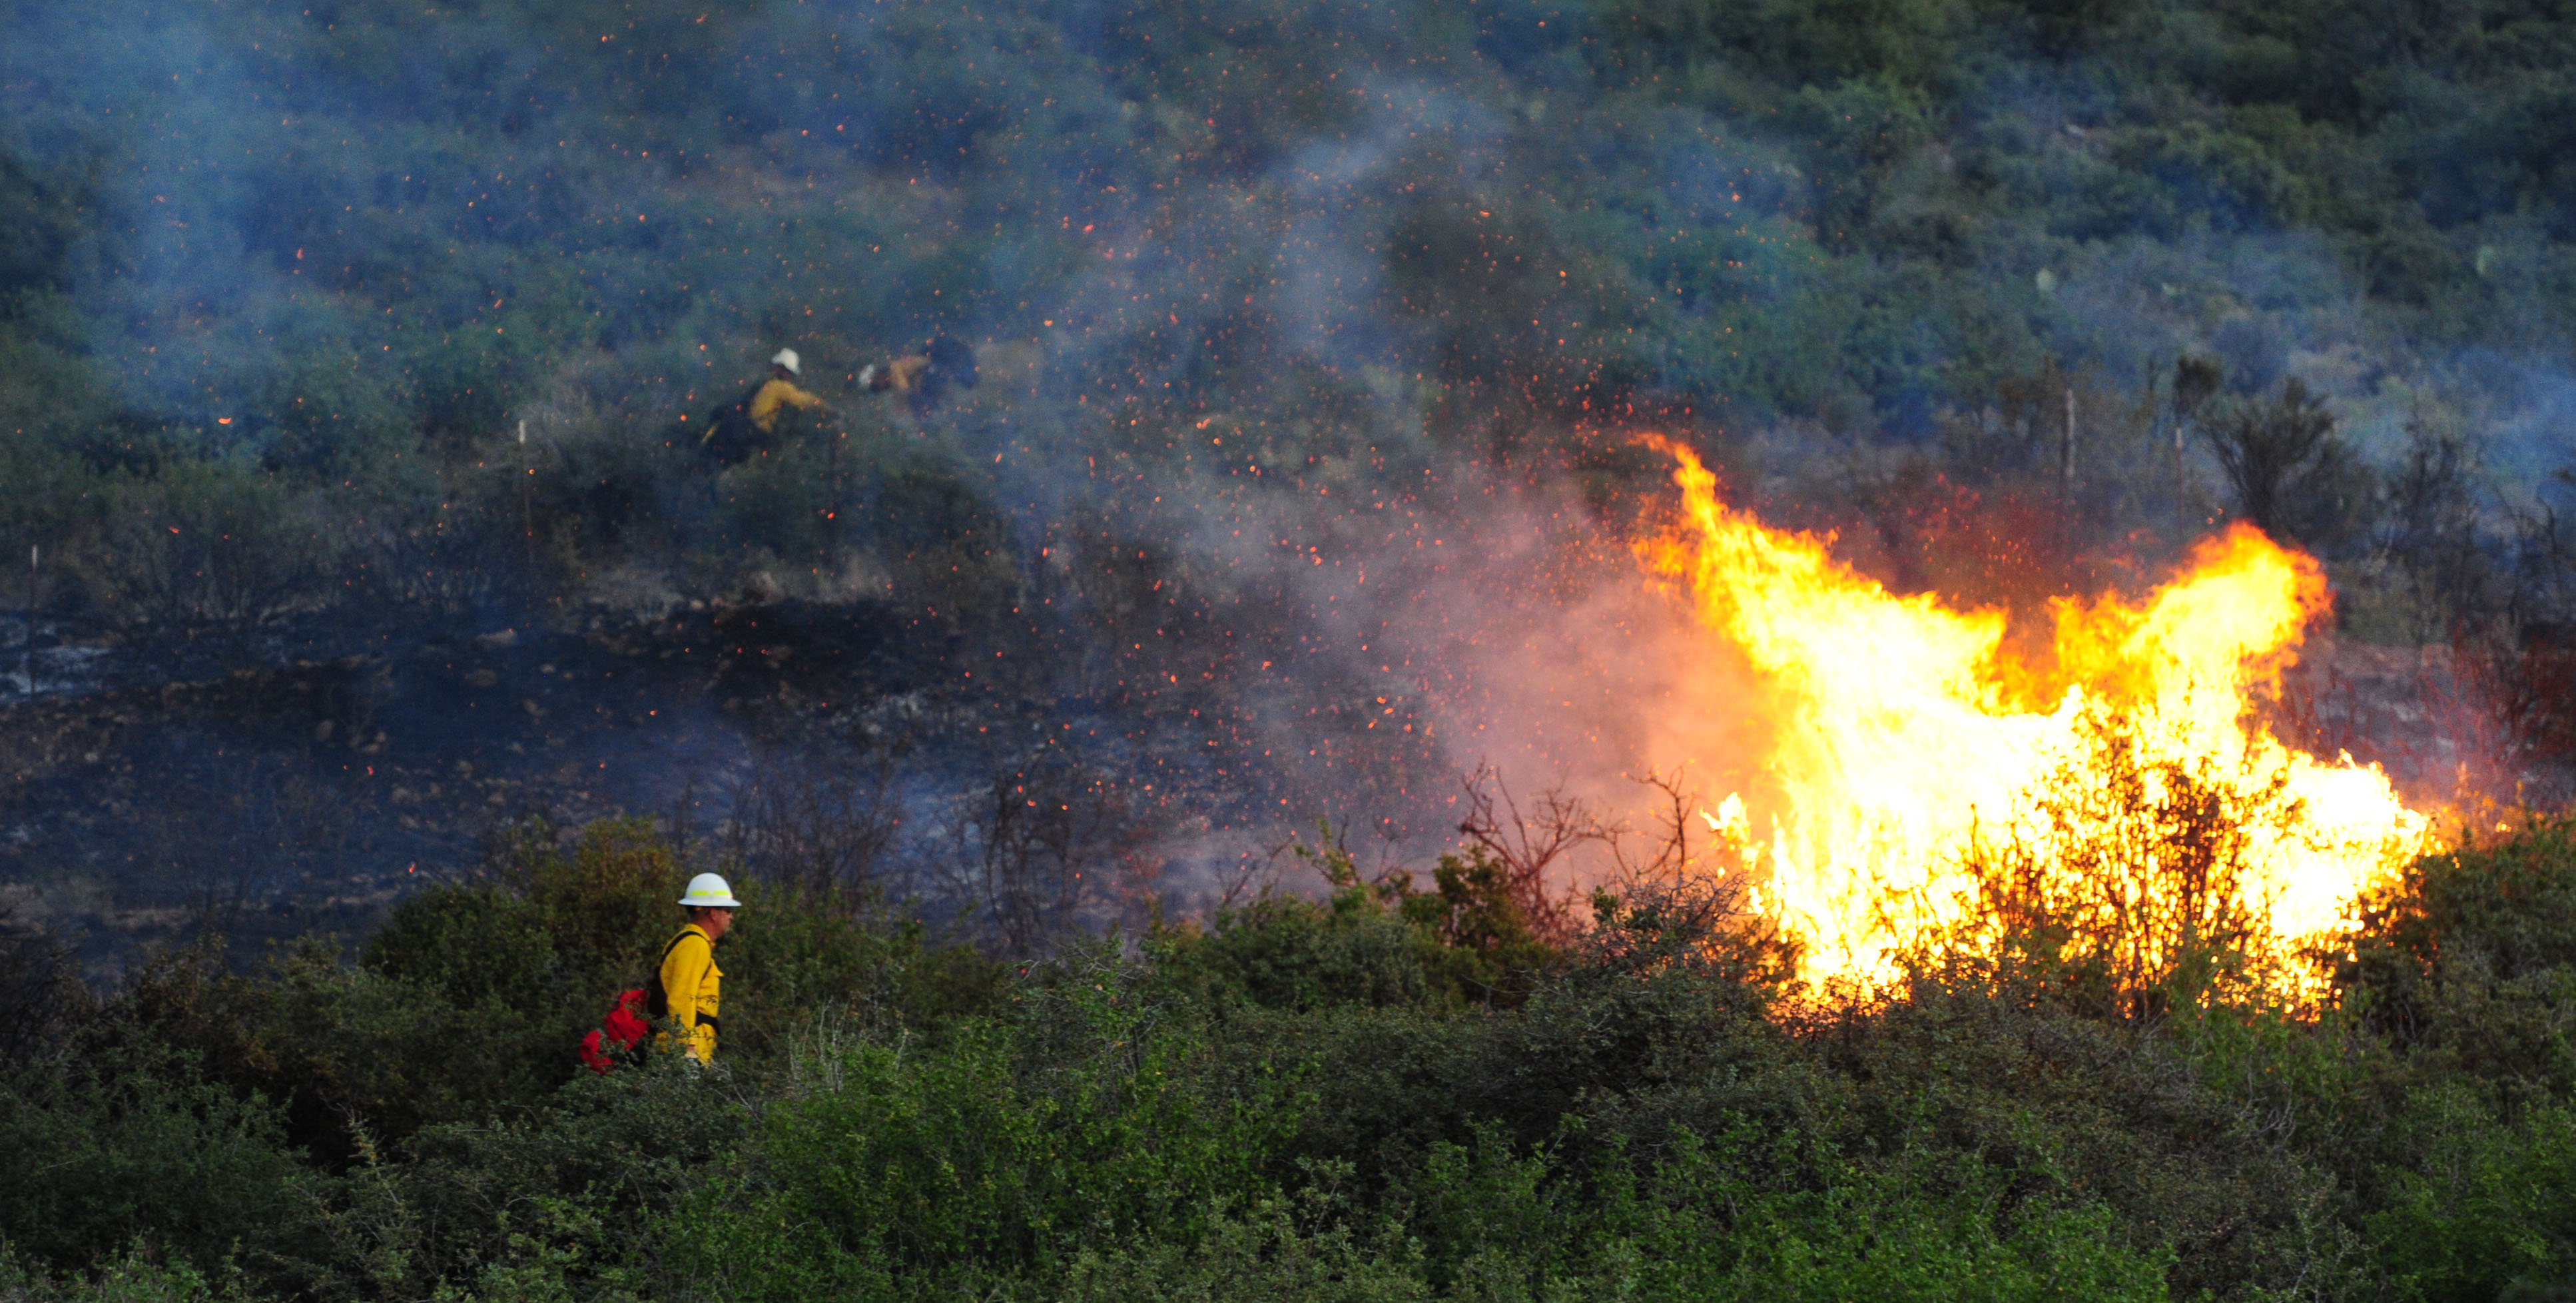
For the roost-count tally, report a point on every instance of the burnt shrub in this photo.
(2295, 477)
(218, 544)
(947, 545)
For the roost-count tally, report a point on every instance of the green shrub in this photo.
(1088, 1116)
(2487, 1209)
(1287, 952)
(1467, 941)
(1301, 1100)
(473, 943)
(1261, 1253)
(774, 502)
(351, 1054)
(132, 1139)
(793, 962)
(565, 1200)
(138, 1276)
(472, 999)
(609, 900)
(332, 414)
(217, 543)
(2470, 959)
(1755, 1216)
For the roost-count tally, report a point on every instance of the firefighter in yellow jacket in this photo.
(780, 392)
(923, 378)
(689, 979)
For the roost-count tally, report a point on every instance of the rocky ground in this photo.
(2416, 714)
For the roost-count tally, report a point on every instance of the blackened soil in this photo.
(273, 801)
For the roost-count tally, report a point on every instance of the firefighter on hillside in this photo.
(740, 429)
(687, 985)
(925, 377)
(780, 392)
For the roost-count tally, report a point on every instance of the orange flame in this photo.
(1900, 723)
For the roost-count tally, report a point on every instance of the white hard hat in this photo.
(708, 891)
(787, 358)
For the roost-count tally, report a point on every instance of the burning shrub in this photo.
(2127, 883)
(1897, 722)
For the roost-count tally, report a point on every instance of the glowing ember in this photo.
(1901, 728)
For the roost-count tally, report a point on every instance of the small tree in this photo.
(2431, 535)
(2294, 478)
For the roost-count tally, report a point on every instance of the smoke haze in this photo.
(1298, 482)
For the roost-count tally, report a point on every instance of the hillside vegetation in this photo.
(336, 324)
(395, 311)
(1389, 1093)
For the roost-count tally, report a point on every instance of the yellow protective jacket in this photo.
(690, 981)
(898, 375)
(777, 394)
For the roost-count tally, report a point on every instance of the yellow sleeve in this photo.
(774, 395)
(684, 970)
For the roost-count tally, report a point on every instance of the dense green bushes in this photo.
(1303, 1100)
